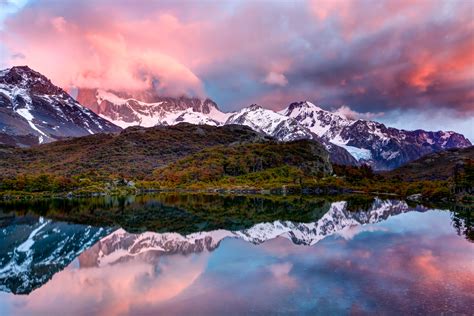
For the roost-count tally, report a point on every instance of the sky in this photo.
(409, 64)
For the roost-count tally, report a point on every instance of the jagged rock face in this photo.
(391, 147)
(147, 109)
(270, 123)
(33, 110)
(371, 142)
(33, 249)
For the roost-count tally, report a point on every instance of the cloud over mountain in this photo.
(374, 57)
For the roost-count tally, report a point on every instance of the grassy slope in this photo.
(133, 153)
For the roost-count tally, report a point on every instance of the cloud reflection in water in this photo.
(410, 263)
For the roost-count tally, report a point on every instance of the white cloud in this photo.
(276, 79)
(347, 112)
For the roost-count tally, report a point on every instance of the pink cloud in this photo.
(376, 57)
(281, 274)
(109, 56)
(114, 289)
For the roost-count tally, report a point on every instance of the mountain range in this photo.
(35, 111)
(348, 141)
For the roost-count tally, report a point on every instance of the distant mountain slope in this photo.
(148, 109)
(135, 151)
(436, 166)
(382, 147)
(271, 123)
(348, 141)
(33, 110)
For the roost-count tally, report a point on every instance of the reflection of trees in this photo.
(357, 203)
(188, 213)
(463, 221)
(182, 213)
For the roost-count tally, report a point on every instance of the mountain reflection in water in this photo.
(387, 257)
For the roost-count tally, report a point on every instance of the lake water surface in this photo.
(209, 254)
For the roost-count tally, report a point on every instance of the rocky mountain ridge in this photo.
(372, 142)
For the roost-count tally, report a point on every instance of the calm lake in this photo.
(212, 255)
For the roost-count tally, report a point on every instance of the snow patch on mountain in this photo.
(358, 153)
(196, 118)
(25, 113)
(270, 123)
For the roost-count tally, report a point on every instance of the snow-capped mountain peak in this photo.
(26, 78)
(36, 111)
(319, 121)
(348, 141)
(301, 107)
(269, 122)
